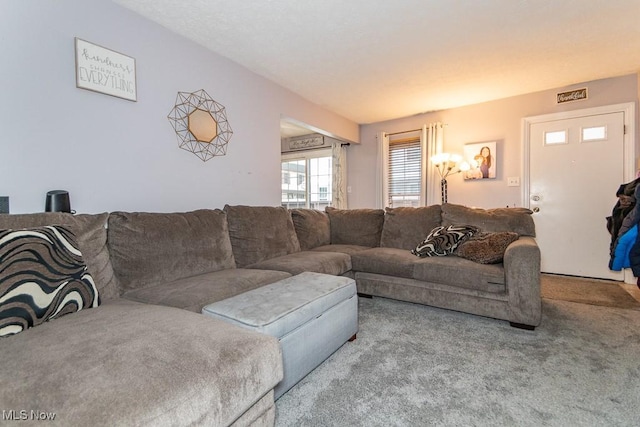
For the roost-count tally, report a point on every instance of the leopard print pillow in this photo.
(486, 248)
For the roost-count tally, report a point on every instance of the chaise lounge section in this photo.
(152, 361)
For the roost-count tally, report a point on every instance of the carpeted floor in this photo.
(587, 291)
(414, 365)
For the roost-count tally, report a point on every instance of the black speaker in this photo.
(4, 204)
(58, 201)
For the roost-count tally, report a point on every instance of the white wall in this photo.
(113, 154)
(491, 121)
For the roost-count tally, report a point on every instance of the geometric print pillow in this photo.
(442, 240)
(42, 277)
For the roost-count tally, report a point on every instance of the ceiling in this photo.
(289, 129)
(375, 60)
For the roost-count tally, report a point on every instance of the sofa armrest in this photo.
(522, 276)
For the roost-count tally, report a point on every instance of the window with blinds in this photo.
(404, 172)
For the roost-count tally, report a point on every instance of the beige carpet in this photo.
(414, 365)
(587, 291)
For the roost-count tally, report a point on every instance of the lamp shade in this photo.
(57, 201)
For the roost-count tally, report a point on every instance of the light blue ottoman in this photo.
(312, 315)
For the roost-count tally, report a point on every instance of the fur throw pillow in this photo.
(486, 248)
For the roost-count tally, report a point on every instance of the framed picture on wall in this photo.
(106, 71)
(482, 158)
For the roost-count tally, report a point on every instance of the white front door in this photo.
(575, 168)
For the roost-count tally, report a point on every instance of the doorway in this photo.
(574, 163)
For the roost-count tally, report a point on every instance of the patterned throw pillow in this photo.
(42, 277)
(442, 240)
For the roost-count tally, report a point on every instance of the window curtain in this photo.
(339, 175)
(433, 134)
(382, 181)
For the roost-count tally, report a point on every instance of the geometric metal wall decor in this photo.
(200, 124)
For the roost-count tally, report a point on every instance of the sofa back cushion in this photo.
(91, 234)
(518, 220)
(405, 227)
(312, 228)
(154, 248)
(260, 232)
(356, 226)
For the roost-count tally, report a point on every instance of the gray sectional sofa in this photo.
(146, 356)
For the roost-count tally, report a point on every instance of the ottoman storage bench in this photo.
(311, 314)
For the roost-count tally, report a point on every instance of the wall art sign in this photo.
(103, 70)
(482, 158)
(301, 143)
(572, 95)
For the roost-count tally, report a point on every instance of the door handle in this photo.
(536, 209)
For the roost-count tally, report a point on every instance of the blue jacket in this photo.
(630, 256)
(623, 248)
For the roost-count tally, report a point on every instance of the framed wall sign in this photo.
(482, 158)
(572, 95)
(103, 70)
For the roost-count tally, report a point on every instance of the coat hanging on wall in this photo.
(200, 124)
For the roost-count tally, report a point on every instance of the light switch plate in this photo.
(513, 181)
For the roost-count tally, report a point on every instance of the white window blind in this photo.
(404, 172)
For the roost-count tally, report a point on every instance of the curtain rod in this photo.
(404, 131)
(409, 131)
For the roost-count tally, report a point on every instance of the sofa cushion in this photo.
(356, 226)
(194, 292)
(260, 232)
(334, 263)
(126, 363)
(91, 235)
(518, 220)
(312, 228)
(388, 261)
(486, 248)
(151, 248)
(42, 277)
(462, 273)
(345, 249)
(442, 240)
(402, 225)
